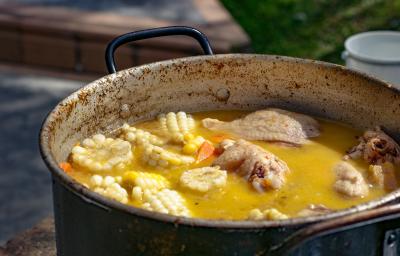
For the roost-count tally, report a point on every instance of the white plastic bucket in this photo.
(376, 53)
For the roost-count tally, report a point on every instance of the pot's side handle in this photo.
(387, 217)
(155, 32)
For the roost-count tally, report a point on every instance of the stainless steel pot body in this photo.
(88, 224)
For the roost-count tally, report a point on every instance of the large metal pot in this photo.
(89, 224)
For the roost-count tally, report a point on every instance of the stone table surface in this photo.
(25, 185)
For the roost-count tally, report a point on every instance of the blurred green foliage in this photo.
(313, 29)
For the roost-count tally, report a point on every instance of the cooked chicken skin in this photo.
(376, 147)
(261, 168)
(269, 125)
(349, 181)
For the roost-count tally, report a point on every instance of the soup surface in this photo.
(309, 182)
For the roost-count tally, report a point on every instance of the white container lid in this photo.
(381, 47)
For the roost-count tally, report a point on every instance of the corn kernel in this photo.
(274, 214)
(137, 193)
(256, 214)
(188, 136)
(268, 214)
(189, 148)
(175, 161)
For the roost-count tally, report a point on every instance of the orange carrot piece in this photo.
(65, 166)
(205, 151)
(218, 138)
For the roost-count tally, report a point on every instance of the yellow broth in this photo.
(310, 180)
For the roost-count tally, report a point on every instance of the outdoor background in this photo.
(311, 29)
(314, 29)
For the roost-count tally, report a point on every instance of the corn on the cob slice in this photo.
(144, 180)
(158, 156)
(176, 125)
(269, 214)
(102, 154)
(165, 201)
(139, 136)
(203, 179)
(109, 186)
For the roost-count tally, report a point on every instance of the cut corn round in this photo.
(204, 179)
(100, 154)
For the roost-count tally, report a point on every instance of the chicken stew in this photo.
(266, 165)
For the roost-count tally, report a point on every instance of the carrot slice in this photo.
(65, 166)
(218, 138)
(205, 151)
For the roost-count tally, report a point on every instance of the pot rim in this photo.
(108, 204)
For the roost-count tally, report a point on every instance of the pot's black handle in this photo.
(386, 218)
(155, 32)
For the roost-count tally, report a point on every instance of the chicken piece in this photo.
(349, 181)
(375, 147)
(261, 168)
(269, 125)
(383, 176)
(225, 144)
(313, 210)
